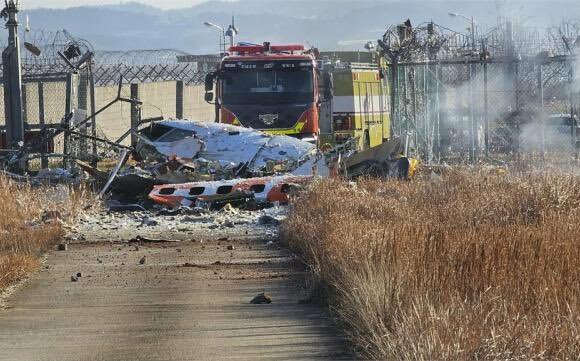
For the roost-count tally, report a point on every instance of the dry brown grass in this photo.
(469, 266)
(23, 235)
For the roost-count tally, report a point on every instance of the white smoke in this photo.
(555, 132)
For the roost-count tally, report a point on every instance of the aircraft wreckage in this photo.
(192, 163)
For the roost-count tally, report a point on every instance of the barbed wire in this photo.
(430, 41)
(134, 66)
(138, 57)
(144, 66)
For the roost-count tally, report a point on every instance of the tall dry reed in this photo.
(24, 236)
(468, 265)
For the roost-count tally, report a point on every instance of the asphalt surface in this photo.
(190, 300)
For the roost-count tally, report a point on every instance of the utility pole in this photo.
(12, 77)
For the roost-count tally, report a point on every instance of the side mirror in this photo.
(209, 79)
(209, 97)
(328, 86)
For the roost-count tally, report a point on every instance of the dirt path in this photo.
(189, 301)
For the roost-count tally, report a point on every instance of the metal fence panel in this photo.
(463, 111)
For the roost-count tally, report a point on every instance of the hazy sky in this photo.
(165, 4)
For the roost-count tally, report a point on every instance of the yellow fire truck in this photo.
(359, 110)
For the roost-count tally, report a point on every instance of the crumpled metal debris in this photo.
(237, 151)
(386, 161)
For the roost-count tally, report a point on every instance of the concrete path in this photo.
(189, 301)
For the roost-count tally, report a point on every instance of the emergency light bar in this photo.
(280, 48)
(250, 49)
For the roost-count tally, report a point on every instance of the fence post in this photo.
(427, 114)
(486, 108)
(42, 122)
(473, 122)
(575, 143)
(393, 89)
(134, 114)
(83, 104)
(574, 109)
(67, 111)
(541, 105)
(179, 89)
(575, 113)
(413, 75)
(516, 108)
(24, 106)
(24, 117)
(404, 104)
(93, 114)
(438, 109)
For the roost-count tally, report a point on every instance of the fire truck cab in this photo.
(273, 88)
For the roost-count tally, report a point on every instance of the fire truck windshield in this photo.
(268, 83)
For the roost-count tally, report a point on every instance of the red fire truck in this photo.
(274, 88)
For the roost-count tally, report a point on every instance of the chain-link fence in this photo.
(467, 110)
(65, 82)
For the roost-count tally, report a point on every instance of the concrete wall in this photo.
(194, 105)
(114, 121)
(159, 100)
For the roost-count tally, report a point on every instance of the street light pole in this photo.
(222, 35)
(231, 33)
(471, 21)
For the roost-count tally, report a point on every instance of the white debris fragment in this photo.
(184, 148)
(232, 145)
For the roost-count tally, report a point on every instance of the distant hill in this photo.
(323, 23)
